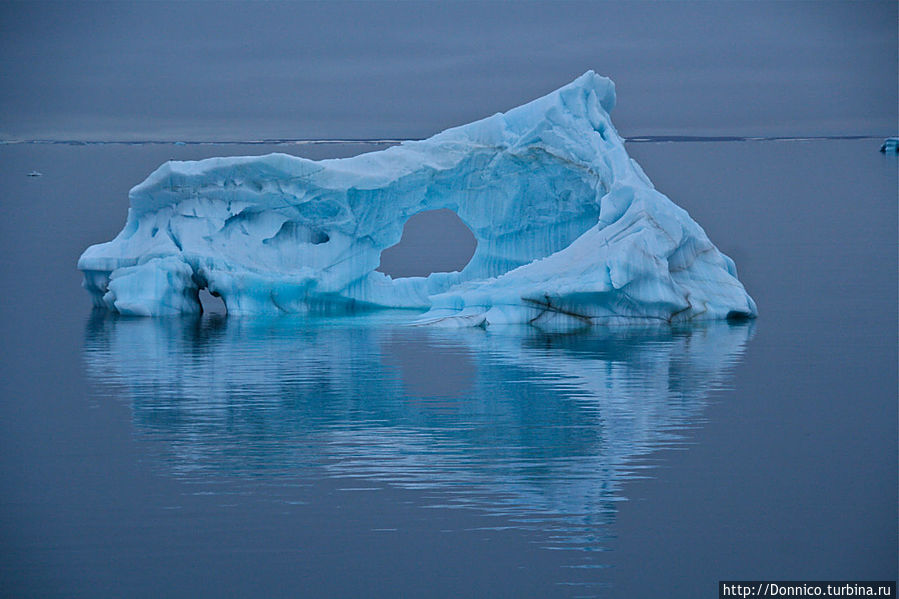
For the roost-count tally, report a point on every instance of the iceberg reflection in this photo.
(537, 426)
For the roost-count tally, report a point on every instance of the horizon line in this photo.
(397, 140)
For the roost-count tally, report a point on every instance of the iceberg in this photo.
(569, 230)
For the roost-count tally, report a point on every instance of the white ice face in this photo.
(570, 230)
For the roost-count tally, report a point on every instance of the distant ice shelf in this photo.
(570, 231)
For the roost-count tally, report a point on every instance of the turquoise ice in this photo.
(569, 229)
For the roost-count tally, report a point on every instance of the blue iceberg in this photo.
(569, 230)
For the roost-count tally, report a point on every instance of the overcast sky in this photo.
(375, 70)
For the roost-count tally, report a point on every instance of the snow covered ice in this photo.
(569, 229)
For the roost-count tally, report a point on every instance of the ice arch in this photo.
(568, 228)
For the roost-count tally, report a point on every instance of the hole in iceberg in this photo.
(433, 241)
(292, 233)
(212, 304)
(738, 316)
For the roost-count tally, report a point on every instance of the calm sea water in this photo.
(357, 457)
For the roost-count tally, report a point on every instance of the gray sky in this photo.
(371, 70)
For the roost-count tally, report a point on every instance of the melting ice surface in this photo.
(569, 229)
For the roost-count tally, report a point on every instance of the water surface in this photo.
(337, 457)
